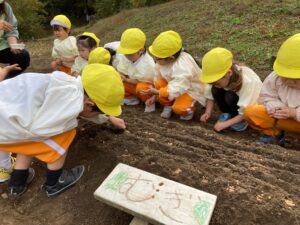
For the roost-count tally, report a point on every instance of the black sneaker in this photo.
(17, 191)
(65, 181)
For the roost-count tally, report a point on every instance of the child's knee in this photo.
(249, 112)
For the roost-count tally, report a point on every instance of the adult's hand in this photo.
(15, 51)
(5, 26)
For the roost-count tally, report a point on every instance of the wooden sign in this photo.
(155, 199)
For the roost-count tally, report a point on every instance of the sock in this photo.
(5, 161)
(52, 176)
(18, 178)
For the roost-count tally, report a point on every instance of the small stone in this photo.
(4, 196)
(177, 172)
(289, 203)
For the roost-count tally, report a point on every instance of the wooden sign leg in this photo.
(137, 221)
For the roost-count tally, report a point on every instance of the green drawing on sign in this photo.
(201, 211)
(116, 181)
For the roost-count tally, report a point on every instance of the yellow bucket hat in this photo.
(91, 35)
(215, 64)
(287, 63)
(166, 44)
(132, 40)
(99, 55)
(104, 86)
(61, 20)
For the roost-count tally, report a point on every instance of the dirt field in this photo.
(255, 184)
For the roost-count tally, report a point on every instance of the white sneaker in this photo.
(167, 112)
(188, 117)
(131, 101)
(150, 108)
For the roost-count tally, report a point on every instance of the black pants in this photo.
(226, 100)
(7, 57)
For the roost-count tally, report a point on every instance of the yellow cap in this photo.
(215, 65)
(99, 55)
(287, 63)
(104, 86)
(166, 44)
(61, 20)
(132, 40)
(93, 36)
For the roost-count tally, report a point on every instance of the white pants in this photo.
(5, 161)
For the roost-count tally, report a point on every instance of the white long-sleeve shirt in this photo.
(78, 65)
(183, 76)
(141, 70)
(276, 94)
(65, 48)
(249, 92)
(37, 106)
(116, 58)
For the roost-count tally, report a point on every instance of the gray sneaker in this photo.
(67, 179)
(167, 112)
(17, 191)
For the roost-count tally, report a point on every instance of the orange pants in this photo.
(259, 119)
(182, 105)
(47, 151)
(65, 69)
(132, 90)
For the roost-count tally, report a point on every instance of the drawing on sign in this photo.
(129, 186)
(201, 211)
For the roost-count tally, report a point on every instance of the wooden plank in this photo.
(137, 221)
(155, 199)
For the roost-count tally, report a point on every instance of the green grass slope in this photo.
(252, 29)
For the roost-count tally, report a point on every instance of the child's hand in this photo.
(117, 122)
(150, 101)
(13, 67)
(205, 117)
(285, 113)
(150, 91)
(219, 126)
(58, 62)
(5, 26)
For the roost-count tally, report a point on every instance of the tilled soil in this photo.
(255, 183)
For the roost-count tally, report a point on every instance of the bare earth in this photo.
(255, 184)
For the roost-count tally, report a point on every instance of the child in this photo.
(233, 87)
(112, 48)
(177, 83)
(279, 110)
(64, 49)
(100, 55)
(10, 51)
(86, 42)
(136, 68)
(43, 125)
(6, 160)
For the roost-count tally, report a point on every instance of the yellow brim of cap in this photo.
(284, 71)
(156, 54)
(126, 51)
(110, 110)
(208, 79)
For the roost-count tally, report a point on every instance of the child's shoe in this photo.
(167, 112)
(17, 191)
(224, 117)
(268, 139)
(131, 101)
(241, 126)
(67, 179)
(150, 108)
(5, 174)
(188, 117)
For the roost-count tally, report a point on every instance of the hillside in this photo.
(255, 184)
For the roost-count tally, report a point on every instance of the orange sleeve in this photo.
(163, 92)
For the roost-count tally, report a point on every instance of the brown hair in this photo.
(236, 80)
(2, 8)
(86, 42)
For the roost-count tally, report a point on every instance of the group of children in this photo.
(126, 72)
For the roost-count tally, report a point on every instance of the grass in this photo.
(252, 30)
